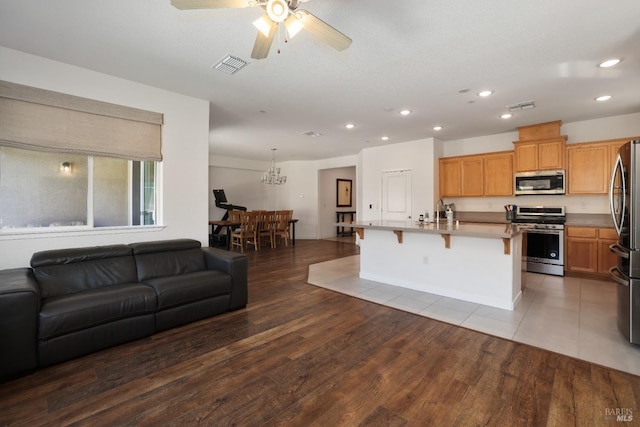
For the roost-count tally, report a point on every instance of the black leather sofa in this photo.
(73, 302)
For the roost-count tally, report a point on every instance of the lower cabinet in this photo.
(587, 249)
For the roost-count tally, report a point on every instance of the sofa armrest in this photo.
(19, 308)
(234, 264)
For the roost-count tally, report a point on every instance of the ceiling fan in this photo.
(277, 11)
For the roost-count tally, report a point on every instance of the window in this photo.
(44, 189)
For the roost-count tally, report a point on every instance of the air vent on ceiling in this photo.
(312, 134)
(230, 64)
(521, 106)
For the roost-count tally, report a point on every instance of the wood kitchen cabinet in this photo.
(589, 169)
(449, 177)
(589, 166)
(606, 260)
(587, 249)
(498, 174)
(544, 154)
(472, 172)
(476, 175)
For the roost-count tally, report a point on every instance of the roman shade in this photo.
(38, 119)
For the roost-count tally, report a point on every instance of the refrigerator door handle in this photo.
(618, 276)
(618, 167)
(618, 250)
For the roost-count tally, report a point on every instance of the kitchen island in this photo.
(480, 263)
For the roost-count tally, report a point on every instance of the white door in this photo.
(396, 195)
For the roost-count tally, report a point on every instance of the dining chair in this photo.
(266, 225)
(283, 217)
(247, 233)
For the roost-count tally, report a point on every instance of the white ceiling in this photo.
(415, 54)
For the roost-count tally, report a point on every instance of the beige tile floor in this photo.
(567, 315)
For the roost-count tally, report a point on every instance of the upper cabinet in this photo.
(488, 174)
(449, 177)
(590, 165)
(540, 147)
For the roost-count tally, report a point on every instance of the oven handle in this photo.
(618, 250)
(540, 231)
(618, 276)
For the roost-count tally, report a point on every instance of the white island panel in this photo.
(473, 269)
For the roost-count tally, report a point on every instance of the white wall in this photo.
(183, 172)
(418, 156)
(240, 181)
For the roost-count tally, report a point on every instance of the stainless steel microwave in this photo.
(539, 182)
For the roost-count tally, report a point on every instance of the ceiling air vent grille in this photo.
(230, 64)
(521, 106)
(312, 134)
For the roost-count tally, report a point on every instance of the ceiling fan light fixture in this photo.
(278, 10)
(293, 25)
(263, 24)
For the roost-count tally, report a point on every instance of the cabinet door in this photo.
(551, 155)
(472, 170)
(498, 175)
(589, 169)
(449, 177)
(526, 156)
(613, 153)
(606, 259)
(582, 255)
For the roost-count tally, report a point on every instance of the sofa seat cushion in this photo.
(83, 310)
(185, 288)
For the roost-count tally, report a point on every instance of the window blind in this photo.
(38, 119)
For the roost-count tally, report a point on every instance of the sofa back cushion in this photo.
(168, 258)
(65, 271)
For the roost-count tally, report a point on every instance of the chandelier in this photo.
(273, 173)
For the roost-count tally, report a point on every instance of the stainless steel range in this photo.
(544, 227)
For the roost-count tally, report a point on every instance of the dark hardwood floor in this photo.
(301, 355)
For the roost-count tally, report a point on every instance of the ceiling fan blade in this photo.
(263, 43)
(209, 4)
(323, 31)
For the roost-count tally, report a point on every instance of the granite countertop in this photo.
(468, 229)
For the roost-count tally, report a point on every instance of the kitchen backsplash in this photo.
(593, 204)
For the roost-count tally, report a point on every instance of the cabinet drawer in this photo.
(607, 233)
(586, 232)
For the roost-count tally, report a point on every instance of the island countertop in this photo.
(467, 229)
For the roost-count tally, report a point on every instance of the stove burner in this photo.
(540, 215)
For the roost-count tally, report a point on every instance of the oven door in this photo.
(545, 246)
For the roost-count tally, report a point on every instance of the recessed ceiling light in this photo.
(485, 93)
(506, 116)
(609, 63)
(349, 125)
(437, 128)
(603, 98)
(385, 138)
(405, 112)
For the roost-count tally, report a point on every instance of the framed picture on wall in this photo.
(343, 193)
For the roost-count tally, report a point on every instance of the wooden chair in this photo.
(266, 225)
(247, 232)
(282, 225)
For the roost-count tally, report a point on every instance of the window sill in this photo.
(49, 232)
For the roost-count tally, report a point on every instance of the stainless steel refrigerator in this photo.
(624, 198)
